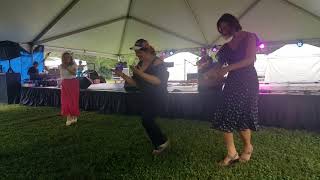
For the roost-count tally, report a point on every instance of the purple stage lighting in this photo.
(261, 46)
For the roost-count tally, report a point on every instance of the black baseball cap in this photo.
(140, 44)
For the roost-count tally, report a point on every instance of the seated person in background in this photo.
(99, 80)
(96, 81)
(94, 77)
(33, 71)
(102, 79)
(208, 78)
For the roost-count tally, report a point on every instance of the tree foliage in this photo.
(103, 65)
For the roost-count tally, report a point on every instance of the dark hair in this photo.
(35, 63)
(146, 47)
(94, 75)
(231, 20)
(141, 42)
(71, 56)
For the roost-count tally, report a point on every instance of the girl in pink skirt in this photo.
(69, 89)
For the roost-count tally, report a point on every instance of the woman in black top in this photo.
(239, 111)
(151, 77)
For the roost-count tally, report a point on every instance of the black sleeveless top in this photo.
(160, 71)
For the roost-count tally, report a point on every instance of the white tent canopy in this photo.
(184, 63)
(292, 50)
(290, 64)
(55, 62)
(112, 26)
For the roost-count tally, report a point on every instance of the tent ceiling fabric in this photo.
(173, 15)
(281, 22)
(89, 12)
(167, 24)
(104, 39)
(209, 12)
(159, 39)
(312, 6)
(21, 21)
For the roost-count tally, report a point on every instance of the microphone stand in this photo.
(184, 71)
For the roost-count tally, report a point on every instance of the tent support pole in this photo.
(80, 30)
(166, 31)
(125, 26)
(80, 51)
(195, 17)
(55, 20)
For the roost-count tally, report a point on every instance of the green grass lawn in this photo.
(36, 144)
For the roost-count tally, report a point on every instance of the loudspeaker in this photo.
(10, 88)
(84, 82)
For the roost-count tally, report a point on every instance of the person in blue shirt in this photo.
(80, 69)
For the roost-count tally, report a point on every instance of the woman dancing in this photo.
(69, 89)
(239, 110)
(151, 77)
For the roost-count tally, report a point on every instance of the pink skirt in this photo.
(70, 97)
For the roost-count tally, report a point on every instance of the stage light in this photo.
(300, 43)
(171, 52)
(261, 46)
(214, 49)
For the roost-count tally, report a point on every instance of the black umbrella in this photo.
(9, 50)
